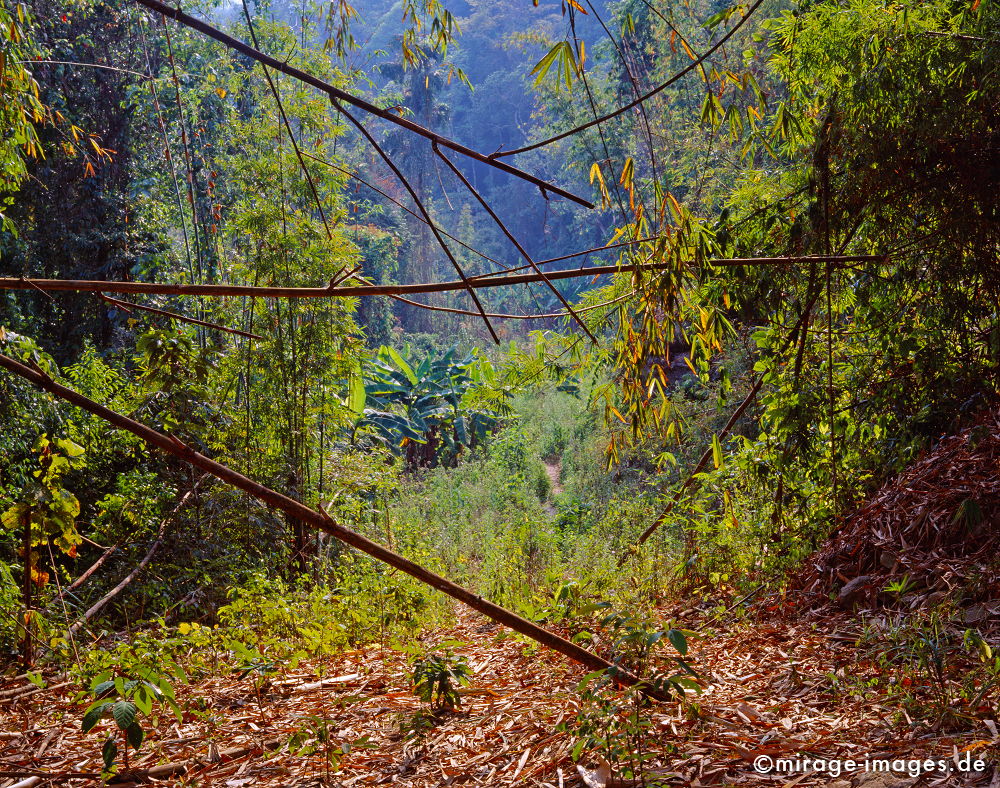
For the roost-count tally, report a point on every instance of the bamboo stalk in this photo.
(702, 462)
(423, 210)
(151, 288)
(639, 100)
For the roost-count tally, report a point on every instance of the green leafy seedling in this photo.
(124, 698)
(254, 665)
(437, 677)
(316, 735)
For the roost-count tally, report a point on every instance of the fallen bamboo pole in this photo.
(177, 768)
(322, 521)
(225, 291)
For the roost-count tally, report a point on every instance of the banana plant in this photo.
(427, 411)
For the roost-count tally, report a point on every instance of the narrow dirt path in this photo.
(553, 469)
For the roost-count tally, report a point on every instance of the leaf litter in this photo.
(771, 689)
(933, 529)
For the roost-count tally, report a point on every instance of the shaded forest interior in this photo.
(583, 392)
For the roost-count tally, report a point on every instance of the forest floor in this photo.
(774, 689)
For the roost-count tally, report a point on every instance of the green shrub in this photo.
(10, 600)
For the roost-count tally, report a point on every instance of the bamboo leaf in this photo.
(716, 451)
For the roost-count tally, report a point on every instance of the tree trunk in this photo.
(26, 645)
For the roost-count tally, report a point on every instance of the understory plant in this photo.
(316, 736)
(126, 698)
(258, 668)
(437, 677)
(613, 723)
(936, 671)
(431, 411)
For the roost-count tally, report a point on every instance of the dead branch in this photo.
(14, 692)
(94, 609)
(28, 782)
(183, 318)
(637, 101)
(510, 237)
(423, 210)
(177, 768)
(34, 691)
(93, 568)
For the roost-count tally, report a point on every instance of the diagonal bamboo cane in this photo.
(323, 522)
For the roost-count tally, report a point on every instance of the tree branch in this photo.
(96, 608)
(636, 102)
(510, 237)
(422, 208)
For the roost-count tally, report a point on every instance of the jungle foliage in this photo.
(135, 150)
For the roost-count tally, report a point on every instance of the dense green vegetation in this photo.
(855, 140)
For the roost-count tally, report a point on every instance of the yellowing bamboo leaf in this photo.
(564, 58)
(596, 174)
(675, 206)
(716, 451)
(627, 172)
